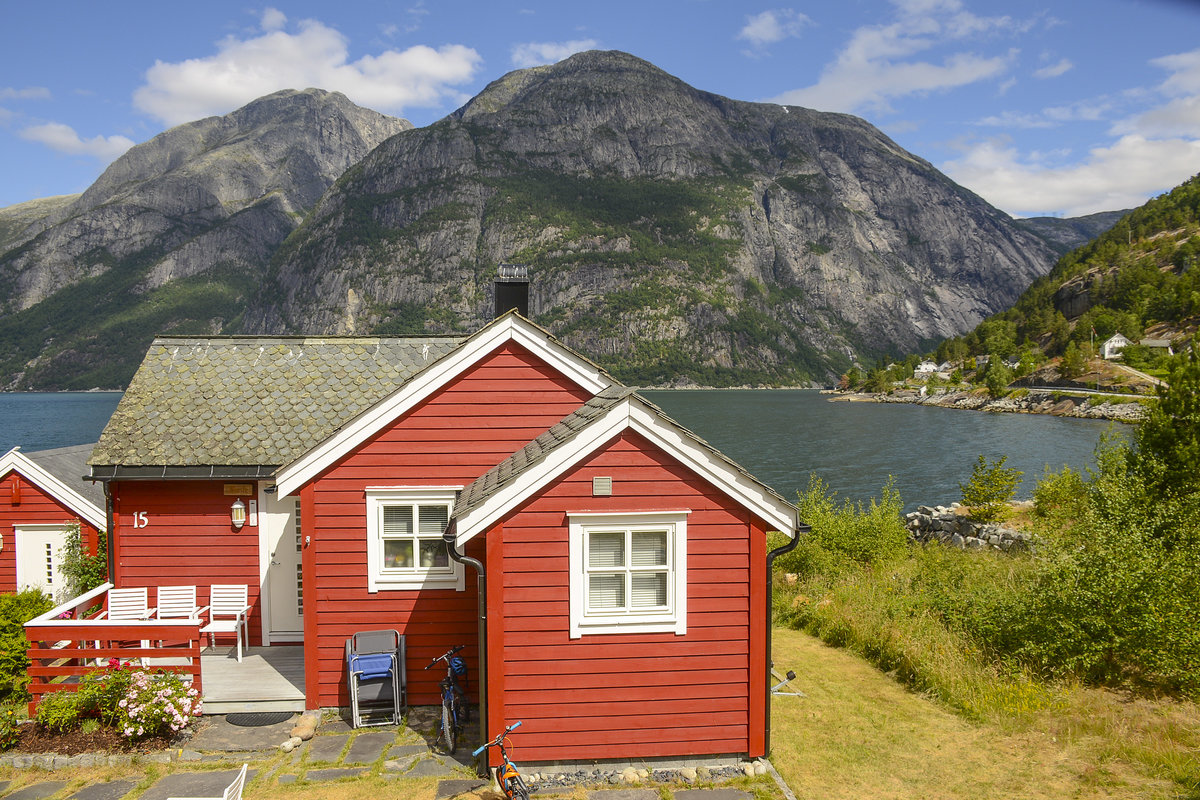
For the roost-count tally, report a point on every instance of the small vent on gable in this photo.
(601, 487)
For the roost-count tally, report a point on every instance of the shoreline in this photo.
(1030, 401)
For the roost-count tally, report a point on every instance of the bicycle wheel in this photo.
(449, 733)
(460, 711)
(515, 789)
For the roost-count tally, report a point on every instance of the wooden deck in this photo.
(268, 679)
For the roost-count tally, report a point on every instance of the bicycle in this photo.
(511, 782)
(455, 711)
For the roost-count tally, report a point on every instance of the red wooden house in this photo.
(606, 568)
(43, 496)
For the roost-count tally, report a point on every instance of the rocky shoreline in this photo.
(1022, 401)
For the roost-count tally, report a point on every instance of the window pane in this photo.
(397, 521)
(397, 553)
(433, 553)
(433, 520)
(649, 589)
(606, 591)
(649, 548)
(606, 549)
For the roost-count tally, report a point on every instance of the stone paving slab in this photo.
(623, 794)
(333, 774)
(712, 794)
(112, 790)
(367, 748)
(451, 788)
(37, 791)
(326, 748)
(193, 784)
(428, 768)
(217, 735)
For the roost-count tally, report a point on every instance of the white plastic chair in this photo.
(234, 792)
(127, 604)
(178, 602)
(230, 602)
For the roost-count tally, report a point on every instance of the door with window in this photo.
(284, 590)
(39, 558)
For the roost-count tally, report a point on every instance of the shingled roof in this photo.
(251, 402)
(69, 465)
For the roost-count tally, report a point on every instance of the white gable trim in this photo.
(778, 514)
(15, 461)
(510, 328)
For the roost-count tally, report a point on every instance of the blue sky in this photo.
(1040, 106)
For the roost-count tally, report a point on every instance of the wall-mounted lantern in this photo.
(237, 514)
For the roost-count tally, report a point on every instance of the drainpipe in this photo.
(448, 538)
(801, 530)
(110, 553)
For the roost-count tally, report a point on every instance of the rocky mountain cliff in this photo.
(174, 236)
(674, 235)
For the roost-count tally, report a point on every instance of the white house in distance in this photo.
(1113, 345)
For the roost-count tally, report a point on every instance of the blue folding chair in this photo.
(375, 677)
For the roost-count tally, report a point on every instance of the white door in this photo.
(39, 554)
(284, 587)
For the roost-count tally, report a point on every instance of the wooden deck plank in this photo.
(268, 679)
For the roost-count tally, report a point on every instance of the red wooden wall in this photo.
(483, 416)
(628, 695)
(187, 539)
(36, 507)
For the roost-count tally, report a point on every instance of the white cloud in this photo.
(28, 93)
(880, 62)
(314, 55)
(1123, 175)
(1054, 70)
(535, 54)
(773, 26)
(64, 139)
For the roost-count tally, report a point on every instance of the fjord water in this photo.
(779, 436)
(782, 436)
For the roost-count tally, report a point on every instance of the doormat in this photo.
(258, 719)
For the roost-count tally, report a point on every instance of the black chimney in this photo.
(512, 289)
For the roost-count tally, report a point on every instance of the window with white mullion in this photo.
(627, 570)
(405, 530)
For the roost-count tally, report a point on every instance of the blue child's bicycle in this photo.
(455, 711)
(511, 782)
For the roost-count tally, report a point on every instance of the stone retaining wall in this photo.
(945, 525)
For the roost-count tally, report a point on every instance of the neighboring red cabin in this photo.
(624, 560)
(43, 496)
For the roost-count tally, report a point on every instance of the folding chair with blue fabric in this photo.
(375, 677)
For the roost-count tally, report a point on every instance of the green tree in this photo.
(997, 378)
(1073, 363)
(991, 487)
(1167, 445)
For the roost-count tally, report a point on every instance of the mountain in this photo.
(672, 234)
(1067, 233)
(173, 237)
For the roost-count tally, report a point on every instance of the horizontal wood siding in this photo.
(489, 412)
(187, 539)
(622, 696)
(36, 507)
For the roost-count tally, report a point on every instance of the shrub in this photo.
(991, 487)
(59, 712)
(15, 611)
(156, 703)
(82, 569)
(100, 693)
(10, 727)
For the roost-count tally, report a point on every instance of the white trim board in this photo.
(631, 414)
(15, 461)
(509, 328)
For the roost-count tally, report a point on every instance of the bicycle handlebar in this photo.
(498, 738)
(446, 654)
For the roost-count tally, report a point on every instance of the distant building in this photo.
(1158, 344)
(926, 368)
(1113, 346)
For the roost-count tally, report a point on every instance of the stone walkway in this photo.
(337, 752)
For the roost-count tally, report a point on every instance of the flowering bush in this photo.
(10, 727)
(156, 703)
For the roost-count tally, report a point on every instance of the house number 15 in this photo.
(139, 519)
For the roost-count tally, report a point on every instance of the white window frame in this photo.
(672, 619)
(415, 578)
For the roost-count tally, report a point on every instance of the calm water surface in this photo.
(781, 436)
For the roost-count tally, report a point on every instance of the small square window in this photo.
(405, 549)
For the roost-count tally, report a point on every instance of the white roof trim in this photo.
(776, 512)
(15, 461)
(508, 328)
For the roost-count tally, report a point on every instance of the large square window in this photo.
(404, 539)
(628, 573)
